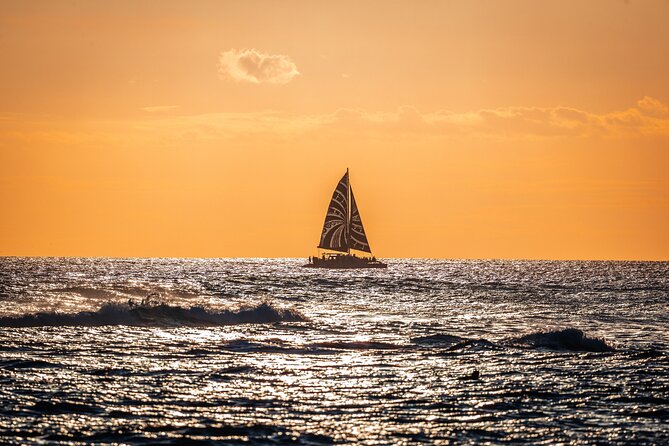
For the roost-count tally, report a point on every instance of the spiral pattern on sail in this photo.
(335, 228)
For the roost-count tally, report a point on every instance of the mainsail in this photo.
(335, 228)
(343, 230)
(358, 238)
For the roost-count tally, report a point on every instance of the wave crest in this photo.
(571, 339)
(156, 315)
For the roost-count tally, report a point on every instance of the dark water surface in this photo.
(263, 351)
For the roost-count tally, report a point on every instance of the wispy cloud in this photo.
(159, 108)
(653, 107)
(250, 65)
(649, 117)
(509, 123)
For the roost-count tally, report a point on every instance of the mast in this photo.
(348, 213)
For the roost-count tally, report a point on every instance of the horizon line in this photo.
(518, 259)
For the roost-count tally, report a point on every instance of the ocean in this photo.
(262, 351)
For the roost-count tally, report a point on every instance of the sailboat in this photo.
(343, 234)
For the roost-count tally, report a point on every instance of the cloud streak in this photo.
(250, 65)
(648, 118)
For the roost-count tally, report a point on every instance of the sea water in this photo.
(266, 352)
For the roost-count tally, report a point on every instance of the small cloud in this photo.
(159, 108)
(345, 76)
(250, 65)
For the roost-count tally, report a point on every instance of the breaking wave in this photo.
(451, 343)
(571, 339)
(156, 315)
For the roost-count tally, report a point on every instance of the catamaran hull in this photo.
(379, 265)
(344, 262)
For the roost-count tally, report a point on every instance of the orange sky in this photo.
(473, 129)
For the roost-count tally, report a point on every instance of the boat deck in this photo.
(344, 262)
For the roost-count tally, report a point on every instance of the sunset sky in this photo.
(472, 129)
